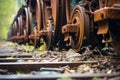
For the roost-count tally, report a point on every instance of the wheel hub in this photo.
(78, 30)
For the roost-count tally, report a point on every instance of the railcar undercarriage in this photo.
(68, 24)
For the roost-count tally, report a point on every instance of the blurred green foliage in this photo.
(8, 10)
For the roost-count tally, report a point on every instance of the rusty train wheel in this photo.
(68, 9)
(12, 29)
(21, 24)
(18, 34)
(13, 33)
(39, 22)
(25, 24)
(35, 37)
(47, 40)
(39, 14)
(50, 14)
(15, 28)
(19, 29)
(55, 8)
(30, 25)
(23, 21)
(79, 17)
(54, 18)
(46, 15)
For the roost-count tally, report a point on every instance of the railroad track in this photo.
(54, 65)
(58, 76)
(32, 70)
(26, 67)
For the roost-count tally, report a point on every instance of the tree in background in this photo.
(8, 10)
(20, 3)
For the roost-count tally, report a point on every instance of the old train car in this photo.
(20, 28)
(68, 23)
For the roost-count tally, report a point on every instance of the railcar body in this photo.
(68, 23)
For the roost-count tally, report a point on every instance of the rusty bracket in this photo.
(20, 37)
(70, 28)
(39, 34)
(17, 37)
(103, 16)
(103, 27)
(31, 36)
(107, 13)
(43, 33)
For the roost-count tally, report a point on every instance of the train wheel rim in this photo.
(50, 20)
(21, 24)
(27, 22)
(38, 15)
(47, 40)
(18, 25)
(77, 17)
(15, 28)
(55, 6)
(35, 37)
(68, 10)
